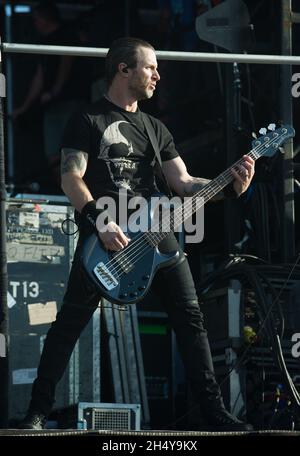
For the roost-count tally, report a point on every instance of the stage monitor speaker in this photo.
(111, 417)
(95, 416)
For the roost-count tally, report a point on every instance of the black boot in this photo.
(210, 413)
(221, 420)
(33, 420)
(217, 418)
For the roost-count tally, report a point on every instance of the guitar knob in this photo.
(123, 295)
(142, 287)
(272, 127)
(146, 277)
(262, 131)
(133, 294)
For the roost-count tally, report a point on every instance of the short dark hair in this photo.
(122, 50)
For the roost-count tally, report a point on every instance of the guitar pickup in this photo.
(123, 262)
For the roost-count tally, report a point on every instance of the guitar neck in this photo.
(172, 221)
(265, 145)
(219, 183)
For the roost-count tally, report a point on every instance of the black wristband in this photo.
(229, 191)
(90, 212)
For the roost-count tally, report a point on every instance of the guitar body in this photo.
(124, 277)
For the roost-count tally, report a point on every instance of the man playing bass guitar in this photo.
(105, 150)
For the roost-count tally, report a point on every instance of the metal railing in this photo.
(161, 55)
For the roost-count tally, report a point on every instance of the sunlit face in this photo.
(142, 79)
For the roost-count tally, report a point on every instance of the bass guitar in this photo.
(124, 277)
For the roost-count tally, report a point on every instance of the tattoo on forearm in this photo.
(73, 160)
(195, 186)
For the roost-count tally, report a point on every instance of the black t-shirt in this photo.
(120, 154)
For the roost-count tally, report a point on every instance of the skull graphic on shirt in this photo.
(115, 150)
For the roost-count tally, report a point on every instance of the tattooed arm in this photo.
(180, 180)
(186, 185)
(73, 168)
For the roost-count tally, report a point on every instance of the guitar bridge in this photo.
(105, 276)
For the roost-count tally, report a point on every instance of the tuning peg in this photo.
(254, 135)
(272, 127)
(263, 131)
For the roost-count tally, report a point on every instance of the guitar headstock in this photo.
(271, 139)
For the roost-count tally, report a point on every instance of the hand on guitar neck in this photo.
(243, 174)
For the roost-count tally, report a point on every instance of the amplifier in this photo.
(104, 416)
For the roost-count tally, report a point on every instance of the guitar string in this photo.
(175, 220)
(157, 233)
(188, 206)
(143, 243)
(144, 248)
(159, 236)
(135, 254)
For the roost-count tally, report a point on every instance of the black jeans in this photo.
(175, 286)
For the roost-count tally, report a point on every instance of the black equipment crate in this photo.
(39, 258)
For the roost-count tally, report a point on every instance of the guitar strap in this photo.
(157, 162)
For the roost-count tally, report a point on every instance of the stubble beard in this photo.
(141, 92)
